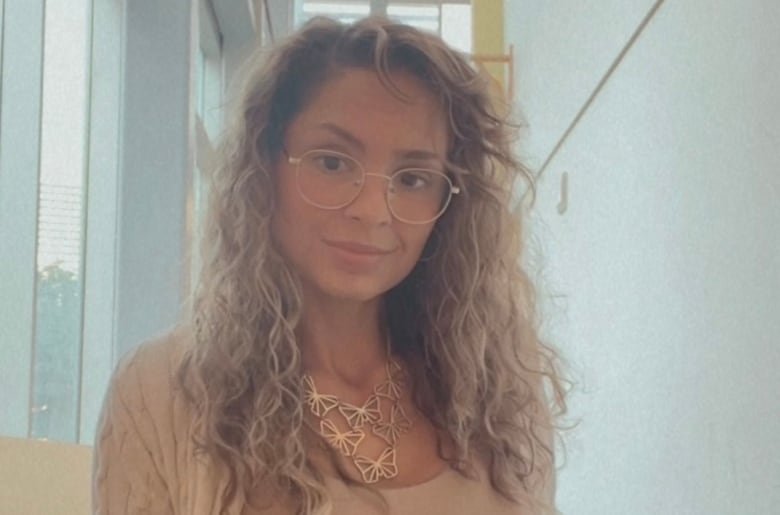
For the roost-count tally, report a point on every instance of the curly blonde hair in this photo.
(464, 321)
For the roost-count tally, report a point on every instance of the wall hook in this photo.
(563, 203)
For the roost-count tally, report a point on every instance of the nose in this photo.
(371, 203)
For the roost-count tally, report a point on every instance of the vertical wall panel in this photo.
(19, 163)
(154, 165)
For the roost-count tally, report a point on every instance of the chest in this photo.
(395, 447)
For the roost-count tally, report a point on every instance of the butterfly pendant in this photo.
(346, 442)
(319, 404)
(393, 368)
(390, 389)
(374, 470)
(391, 430)
(358, 416)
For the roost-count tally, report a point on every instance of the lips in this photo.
(358, 248)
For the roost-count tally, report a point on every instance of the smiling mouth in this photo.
(358, 248)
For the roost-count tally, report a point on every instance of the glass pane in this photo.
(211, 84)
(58, 320)
(2, 21)
(456, 26)
(422, 16)
(200, 79)
(208, 83)
(344, 11)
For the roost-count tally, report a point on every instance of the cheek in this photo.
(416, 241)
(291, 230)
(289, 221)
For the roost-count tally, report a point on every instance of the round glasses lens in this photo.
(329, 179)
(419, 195)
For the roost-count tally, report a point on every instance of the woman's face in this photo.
(359, 251)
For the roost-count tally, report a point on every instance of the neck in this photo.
(343, 340)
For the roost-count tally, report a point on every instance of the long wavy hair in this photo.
(464, 321)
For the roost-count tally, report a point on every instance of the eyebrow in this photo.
(356, 142)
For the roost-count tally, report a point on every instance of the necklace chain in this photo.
(360, 419)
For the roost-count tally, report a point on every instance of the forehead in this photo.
(357, 101)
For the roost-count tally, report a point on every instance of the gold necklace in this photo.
(368, 416)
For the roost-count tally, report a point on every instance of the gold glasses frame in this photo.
(296, 161)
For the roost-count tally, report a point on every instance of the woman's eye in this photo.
(331, 164)
(414, 180)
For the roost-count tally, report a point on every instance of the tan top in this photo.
(144, 460)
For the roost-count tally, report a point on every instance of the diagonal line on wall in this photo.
(640, 28)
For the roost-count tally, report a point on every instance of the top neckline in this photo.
(447, 470)
(447, 474)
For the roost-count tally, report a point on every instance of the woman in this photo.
(362, 339)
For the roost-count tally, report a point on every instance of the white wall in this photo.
(158, 153)
(155, 169)
(666, 265)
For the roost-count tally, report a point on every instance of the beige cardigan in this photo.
(144, 461)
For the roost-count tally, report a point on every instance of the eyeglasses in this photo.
(332, 180)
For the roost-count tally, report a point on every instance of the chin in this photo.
(355, 294)
(352, 289)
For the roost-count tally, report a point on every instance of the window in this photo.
(345, 11)
(59, 73)
(61, 205)
(422, 16)
(451, 20)
(208, 71)
(69, 266)
(208, 124)
(457, 26)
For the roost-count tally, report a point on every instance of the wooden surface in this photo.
(44, 478)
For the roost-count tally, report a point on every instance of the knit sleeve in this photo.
(128, 475)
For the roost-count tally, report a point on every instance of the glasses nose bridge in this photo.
(365, 203)
(388, 178)
(388, 187)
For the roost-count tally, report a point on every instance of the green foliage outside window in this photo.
(57, 354)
